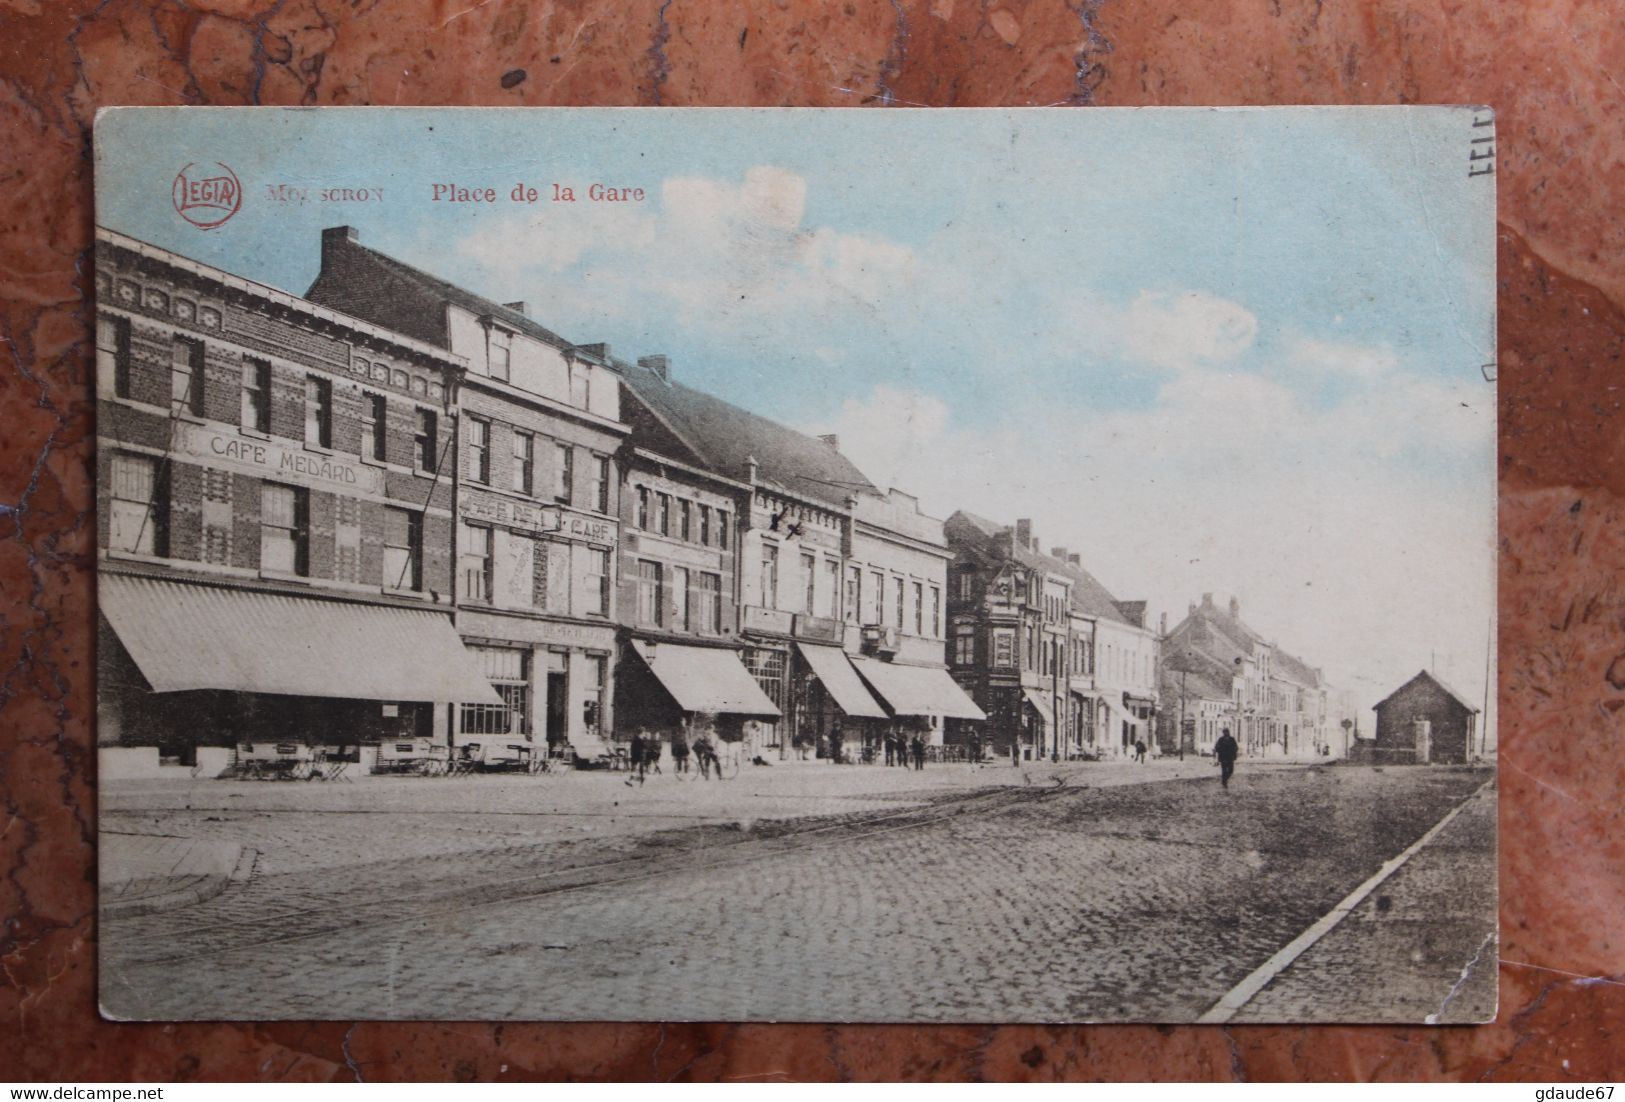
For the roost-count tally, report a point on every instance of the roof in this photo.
(1215, 634)
(389, 268)
(726, 438)
(1089, 597)
(1425, 674)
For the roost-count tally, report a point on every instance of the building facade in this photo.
(537, 502)
(276, 541)
(1422, 722)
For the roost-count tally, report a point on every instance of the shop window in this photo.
(425, 443)
(113, 353)
(710, 602)
(136, 510)
(403, 549)
(318, 412)
(508, 670)
(479, 450)
(651, 592)
(592, 693)
(284, 529)
(564, 490)
(766, 665)
(474, 562)
(186, 376)
(524, 462)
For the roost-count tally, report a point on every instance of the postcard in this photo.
(796, 565)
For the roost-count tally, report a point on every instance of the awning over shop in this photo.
(1040, 705)
(1122, 714)
(917, 690)
(184, 636)
(705, 679)
(1132, 701)
(841, 681)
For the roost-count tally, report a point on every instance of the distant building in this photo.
(1219, 673)
(1425, 721)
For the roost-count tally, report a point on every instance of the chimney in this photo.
(832, 440)
(750, 467)
(1058, 553)
(599, 351)
(1075, 559)
(334, 238)
(1235, 607)
(1024, 532)
(517, 307)
(659, 365)
(1207, 600)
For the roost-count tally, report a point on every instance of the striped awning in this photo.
(184, 636)
(705, 679)
(917, 690)
(834, 671)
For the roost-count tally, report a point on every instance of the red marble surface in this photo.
(1550, 69)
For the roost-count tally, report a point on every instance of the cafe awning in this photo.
(705, 679)
(184, 636)
(917, 690)
(841, 681)
(1040, 705)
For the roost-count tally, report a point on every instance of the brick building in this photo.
(537, 500)
(1424, 721)
(275, 538)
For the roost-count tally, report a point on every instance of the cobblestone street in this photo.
(953, 894)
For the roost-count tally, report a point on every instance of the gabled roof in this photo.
(1089, 597)
(1218, 634)
(1295, 670)
(1427, 676)
(725, 438)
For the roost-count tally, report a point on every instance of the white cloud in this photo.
(1356, 361)
(1187, 331)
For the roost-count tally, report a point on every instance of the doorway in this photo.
(558, 699)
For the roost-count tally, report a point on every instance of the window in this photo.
(770, 575)
(598, 581)
(1004, 647)
(685, 520)
(136, 513)
(403, 549)
(643, 508)
(600, 483)
(965, 645)
(705, 525)
(186, 376)
(479, 450)
(663, 514)
(832, 580)
(508, 670)
(679, 589)
(854, 593)
(809, 582)
(564, 489)
(967, 584)
(501, 354)
(256, 410)
(919, 609)
(474, 562)
(936, 612)
(877, 598)
(709, 611)
(722, 529)
(424, 443)
(651, 592)
(284, 529)
(524, 462)
(113, 353)
(374, 426)
(318, 412)
(897, 604)
(592, 692)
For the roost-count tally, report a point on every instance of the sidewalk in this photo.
(147, 873)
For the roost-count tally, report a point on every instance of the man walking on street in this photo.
(919, 752)
(1225, 750)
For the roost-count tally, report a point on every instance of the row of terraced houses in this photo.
(392, 509)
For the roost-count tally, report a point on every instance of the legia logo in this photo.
(206, 195)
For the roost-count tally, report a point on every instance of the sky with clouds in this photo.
(1211, 350)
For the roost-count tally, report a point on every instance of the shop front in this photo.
(833, 706)
(189, 664)
(676, 692)
(918, 699)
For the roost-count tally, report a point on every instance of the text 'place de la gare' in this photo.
(391, 525)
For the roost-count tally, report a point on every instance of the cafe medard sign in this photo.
(273, 460)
